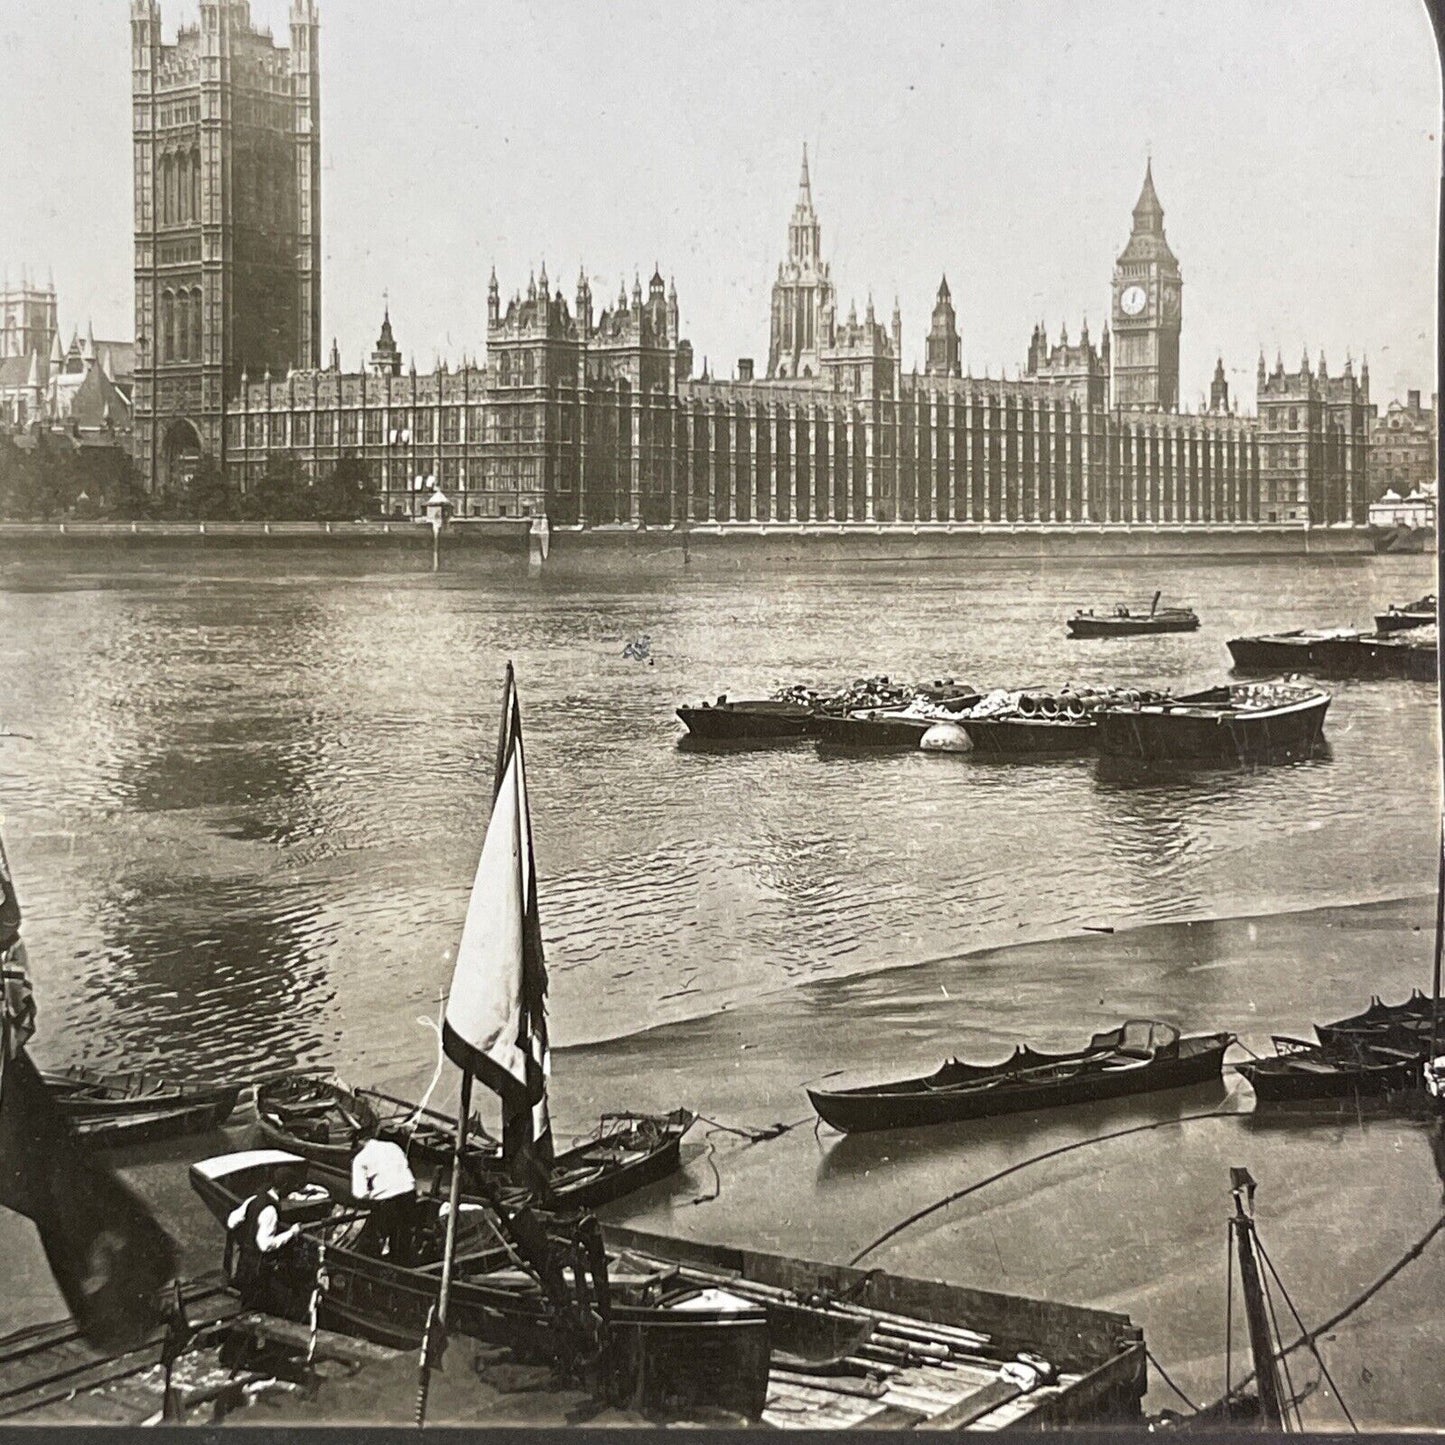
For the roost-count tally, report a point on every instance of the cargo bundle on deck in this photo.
(800, 711)
(1252, 721)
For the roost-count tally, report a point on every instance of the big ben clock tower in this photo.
(1147, 294)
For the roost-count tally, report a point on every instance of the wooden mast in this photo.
(1266, 1373)
(438, 1319)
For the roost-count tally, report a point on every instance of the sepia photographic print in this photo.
(720, 715)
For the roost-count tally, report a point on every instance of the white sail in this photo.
(485, 1008)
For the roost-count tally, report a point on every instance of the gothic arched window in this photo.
(196, 325)
(1293, 417)
(504, 369)
(163, 192)
(183, 326)
(528, 368)
(168, 326)
(195, 185)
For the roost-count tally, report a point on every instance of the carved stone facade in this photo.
(1314, 443)
(596, 419)
(804, 302)
(227, 220)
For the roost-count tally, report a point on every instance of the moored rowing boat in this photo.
(1141, 1056)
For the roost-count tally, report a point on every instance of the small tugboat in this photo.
(1301, 1070)
(1123, 622)
(748, 719)
(1401, 616)
(1254, 720)
(1139, 1057)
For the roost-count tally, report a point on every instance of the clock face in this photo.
(1134, 300)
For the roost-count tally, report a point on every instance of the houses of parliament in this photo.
(588, 410)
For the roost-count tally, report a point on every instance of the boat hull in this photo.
(746, 721)
(1229, 736)
(874, 732)
(1402, 621)
(130, 1127)
(1029, 737)
(861, 1111)
(1132, 626)
(659, 1358)
(1363, 655)
(1312, 1073)
(83, 1093)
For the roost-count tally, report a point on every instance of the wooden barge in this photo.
(840, 1347)
(1402, 652)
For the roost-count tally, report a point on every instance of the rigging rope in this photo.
(1313, 1348)
(435, 1026)
(1164, 1375)
(1310, 1336)
(958, 1194)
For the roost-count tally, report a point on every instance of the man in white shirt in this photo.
(381, 1176)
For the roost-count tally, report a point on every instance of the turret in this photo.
(1219, 389)
(584, 302)
(494, 300)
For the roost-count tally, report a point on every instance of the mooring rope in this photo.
(958, 1194)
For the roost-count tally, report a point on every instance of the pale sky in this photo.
(1003, 142)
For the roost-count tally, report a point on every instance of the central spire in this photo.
(1148, 213)
(805, 186)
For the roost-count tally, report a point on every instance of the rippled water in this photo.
(248, 808)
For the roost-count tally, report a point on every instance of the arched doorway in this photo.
(180, 455)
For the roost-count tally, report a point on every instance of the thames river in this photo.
(244, 792)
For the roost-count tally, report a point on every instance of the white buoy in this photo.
(946, 737)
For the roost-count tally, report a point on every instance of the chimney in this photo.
(1412, 400)
(745, 371)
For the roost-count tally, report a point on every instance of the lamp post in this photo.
(438, 508)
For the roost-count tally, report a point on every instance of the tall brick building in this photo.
(227, 220)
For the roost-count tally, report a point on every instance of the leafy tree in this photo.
(346, 493)
(209, 495)
(281, 495)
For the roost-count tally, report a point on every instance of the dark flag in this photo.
(108, 1255)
